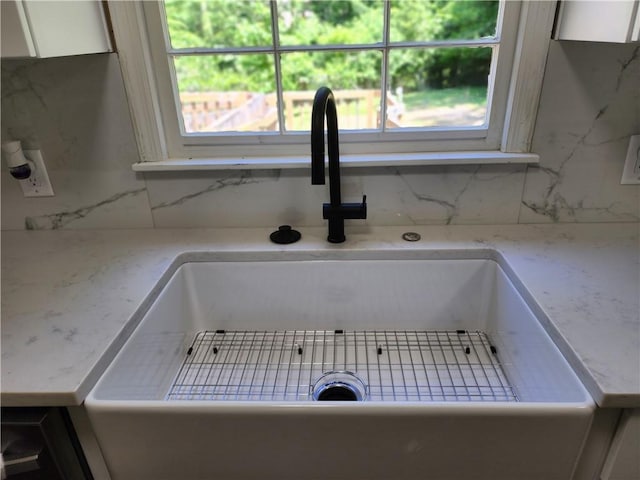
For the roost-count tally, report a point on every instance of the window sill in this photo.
(386, 160)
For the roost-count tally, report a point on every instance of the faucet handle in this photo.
(362, 211)
(345, 211)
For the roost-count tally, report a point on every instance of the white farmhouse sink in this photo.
(456, 377)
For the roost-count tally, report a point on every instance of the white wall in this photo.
(74, 109)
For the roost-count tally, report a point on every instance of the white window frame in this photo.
(161, 146)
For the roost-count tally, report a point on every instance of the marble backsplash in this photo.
(74, 109)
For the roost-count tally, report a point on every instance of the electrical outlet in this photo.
(38, 184)
(631, 172)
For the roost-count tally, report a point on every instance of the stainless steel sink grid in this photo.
(456, 365)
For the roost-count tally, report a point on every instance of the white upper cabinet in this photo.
(598, 21)
(44, 29)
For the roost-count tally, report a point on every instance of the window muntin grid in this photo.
(384, 48)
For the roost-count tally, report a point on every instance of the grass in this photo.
(445, 97)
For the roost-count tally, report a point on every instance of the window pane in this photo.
(218, 23)
(323, 22)
(354, 78)
(225, 93)
(424, 20)
(438, 87)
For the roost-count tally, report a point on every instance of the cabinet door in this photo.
(53, 28)
(61, 28)
(16, 38)
(623, 460)
(598, 21)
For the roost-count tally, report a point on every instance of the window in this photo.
(234, 79)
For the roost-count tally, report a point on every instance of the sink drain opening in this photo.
(339, 386)
(336, 392)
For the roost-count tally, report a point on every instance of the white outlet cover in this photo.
(38, 184)
(631, 172)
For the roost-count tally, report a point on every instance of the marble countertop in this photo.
(69, 298)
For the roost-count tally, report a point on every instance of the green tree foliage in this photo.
(339, 12)
(243, 23)
(462, 66)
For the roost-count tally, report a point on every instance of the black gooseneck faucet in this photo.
(335, 212)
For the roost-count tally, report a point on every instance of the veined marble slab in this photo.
(453, 195)
(71, 298)
(588, 111)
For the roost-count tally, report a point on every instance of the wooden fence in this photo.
(247, 111)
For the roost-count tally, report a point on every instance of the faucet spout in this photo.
(324, 104)
(335, 212)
